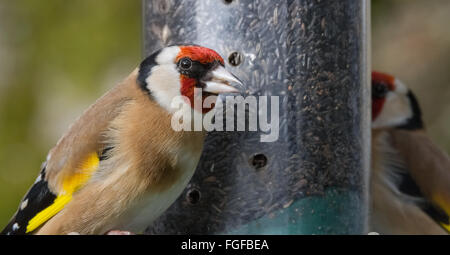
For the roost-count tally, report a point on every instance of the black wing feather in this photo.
(37, 199)
(409, 187)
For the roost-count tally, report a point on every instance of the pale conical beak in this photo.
(221, 81)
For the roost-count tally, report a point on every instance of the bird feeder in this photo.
(314, 56)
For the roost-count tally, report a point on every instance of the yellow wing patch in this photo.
(70, 184)
(446, 227)
(439, 200)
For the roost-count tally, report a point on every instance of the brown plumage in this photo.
(121, 164)
(410, 175)
(392, 211)
(428, 164)
(155, 170)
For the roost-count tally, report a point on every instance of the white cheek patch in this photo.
(396, 110)
(164, 84)
(164, 79)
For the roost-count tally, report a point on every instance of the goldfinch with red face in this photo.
(410, 177)
(121, 164)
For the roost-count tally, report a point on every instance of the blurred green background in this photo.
(57, 57)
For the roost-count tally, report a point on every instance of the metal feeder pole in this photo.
(314, 55)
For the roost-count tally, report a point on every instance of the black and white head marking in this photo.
(400, 109)
(159, 76)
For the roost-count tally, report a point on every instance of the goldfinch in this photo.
(410, 176)
(121, 164)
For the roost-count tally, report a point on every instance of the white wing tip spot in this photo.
(24, 204)
(15, 226)
(38, 179)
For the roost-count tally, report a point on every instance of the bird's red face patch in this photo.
(377, 105)
(188, 90)
(199, 54)
(387, 79)
(381, 84)
(201, 61)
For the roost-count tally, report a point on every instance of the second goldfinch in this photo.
(410, 175)
(121, 164)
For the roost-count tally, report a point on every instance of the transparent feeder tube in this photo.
(313, 55)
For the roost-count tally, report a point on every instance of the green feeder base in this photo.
(331, 213)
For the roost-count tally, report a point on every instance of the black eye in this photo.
(185, 63)
(379, 90)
